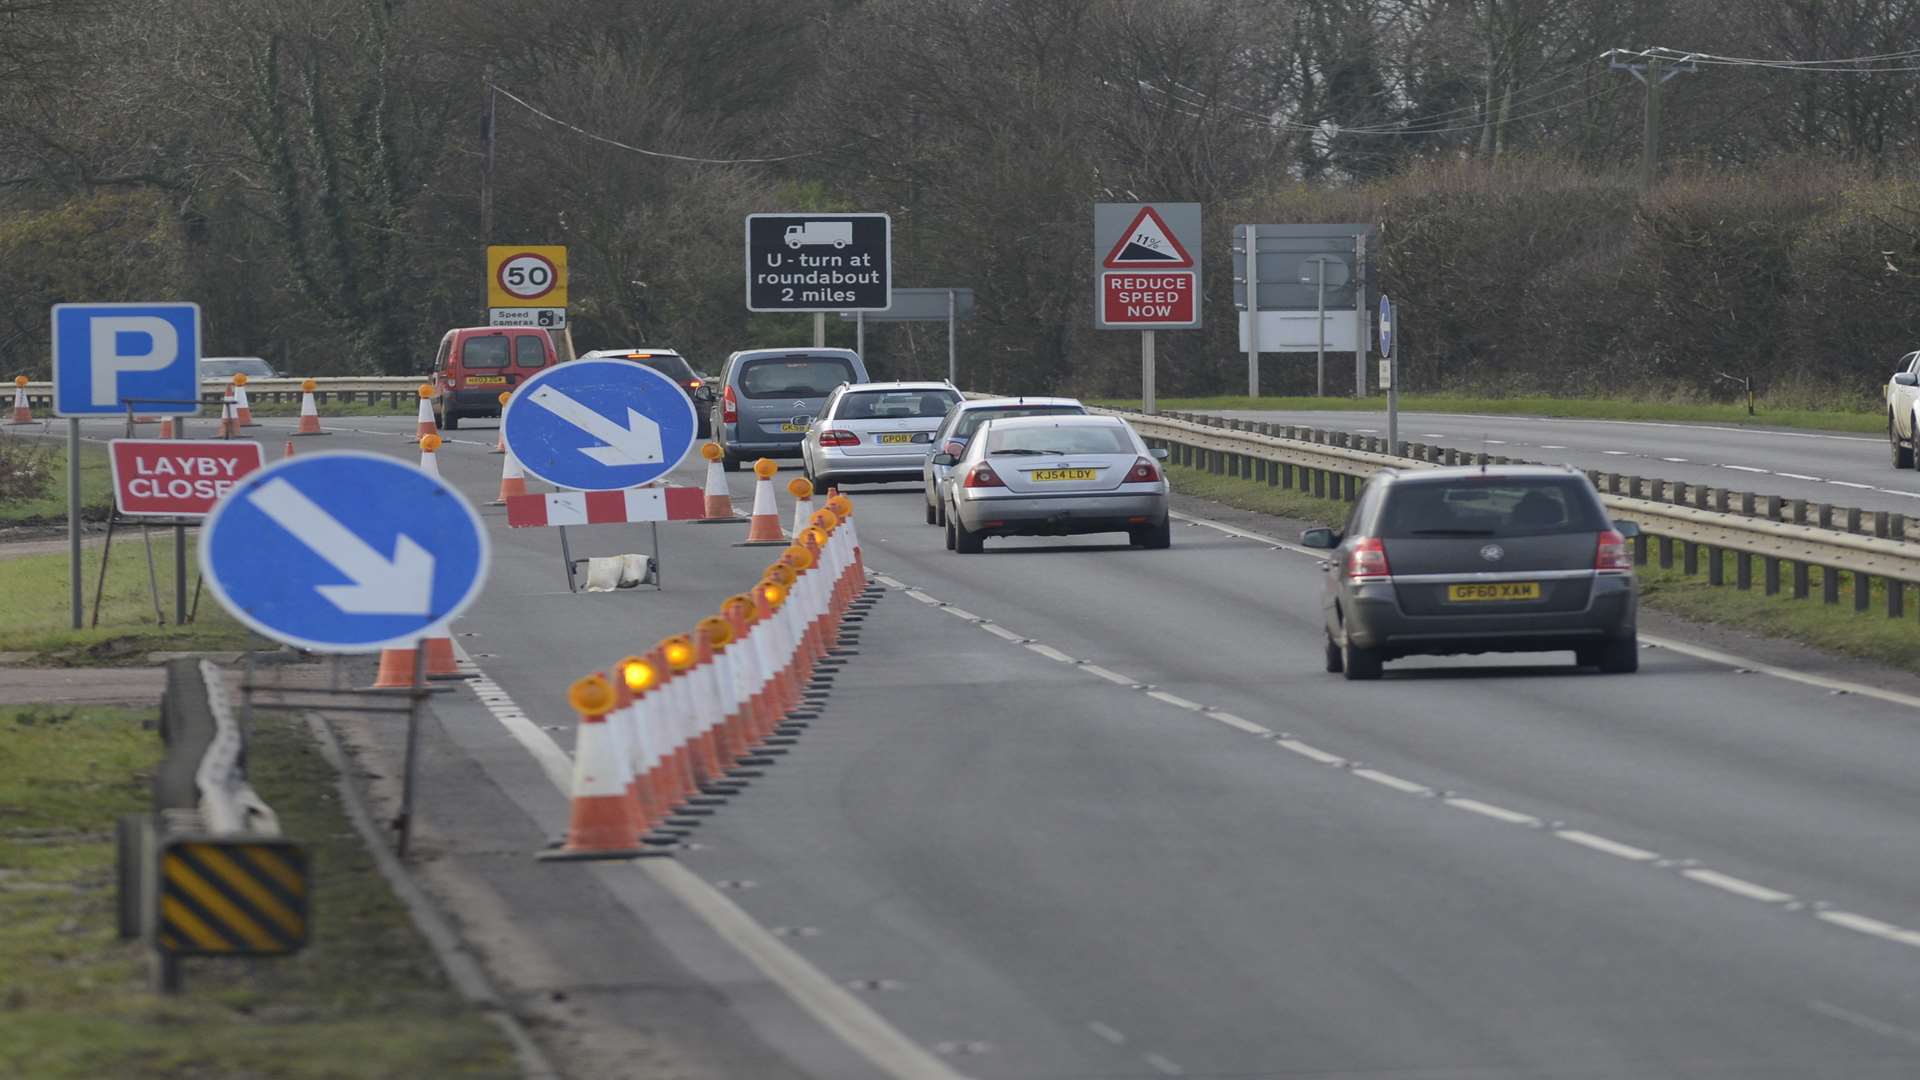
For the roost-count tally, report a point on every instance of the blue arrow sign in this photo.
(104, 354)
(344, 552)
(599, 425)
(1386, 326)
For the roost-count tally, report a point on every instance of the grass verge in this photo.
(36, 617)
(48, 505)
(1873, 421)
(1838, 628)
(364, 999)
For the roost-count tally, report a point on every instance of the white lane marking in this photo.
(546, 753)
(1166, 1067)
(1891, 697)
(1049, 652)
(1001, 632)
(1497, 813)
(1616, 453)
(1174, 700)
(1392, 781)
(1247, 534)
(1110, 1034)
(1748, 468)
(1366, 431)
(1313, 752)
(889, 582)
(922, 597)
(826, 1001)
(1768, 432)
(1606, 846)
(1550, 446)
(1496, 442)
(961, 613)
(1861, 924)
(1233, 721)
(1430, 435)
(1801, 476)
(1111, 676)
(1736, 886)
(1850, 484)
(1675, 460)
(1865, 1022)
(1895, 491)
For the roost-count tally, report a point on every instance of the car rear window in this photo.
(971, 420)
(1490, 506)
(673, 367)
(895, 404)
(485, 352)
(529, 351)
(1066, 439)
(804, 377)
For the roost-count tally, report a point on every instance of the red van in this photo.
(476, 363)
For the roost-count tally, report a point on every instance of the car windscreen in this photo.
(801, 377)
(485, 352)
(971, 420)
(673, 367)
(251, 368)
(1489, 506)
(895, 404)
(1073, 439)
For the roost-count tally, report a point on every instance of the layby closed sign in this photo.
(177, 477)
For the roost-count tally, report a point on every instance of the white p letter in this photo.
(109, 362)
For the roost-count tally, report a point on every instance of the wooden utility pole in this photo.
(1653, 70)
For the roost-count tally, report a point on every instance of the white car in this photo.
(1903, 411)
(1056, 476)
(875, 432)
(963, 420)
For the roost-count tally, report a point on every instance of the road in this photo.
(1821, 467)
(1081, 811)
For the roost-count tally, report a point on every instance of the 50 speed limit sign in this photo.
(526, 275)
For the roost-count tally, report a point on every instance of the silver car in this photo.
(1056, 476)
(963, 420)
(875, 432)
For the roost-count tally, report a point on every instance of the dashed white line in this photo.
(538, 744)
(1896, 491)
(1049, 652)
(1550, 446)
(1233, 721)
(1174, 700)
(961, 613)
(1616, 453)
(1497, 813)
(1736, 886)
(1850, 484)
(1801, 476)
(1865, 1022)
(1164, 1066)
(922, 597)
(1861, 924)
(1606, 846)
(1109, 1034)
(1001, 632)
(1111, 676)
(1430, 435)
(1748, 468)
(1312, 752)
(1674, 460)
(1392, 781)
(889, 582)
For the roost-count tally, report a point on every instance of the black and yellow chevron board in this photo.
(232, 897)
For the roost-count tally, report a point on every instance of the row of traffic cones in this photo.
(669, 734)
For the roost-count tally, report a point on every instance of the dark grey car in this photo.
(769, 397)
(1471, 560)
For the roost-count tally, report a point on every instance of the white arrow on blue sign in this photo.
(599, 425)
(344, 552)
(1386, 326)
(106, 354)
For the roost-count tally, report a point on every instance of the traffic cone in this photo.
(242, 412)
(500, 444)
(513, 480)
(802, 491)
(228, 425)
(605, 821)
(21, 413)
(441, 663)
(166, 427)
(719, 508)
(289, 450)
(764, 528)
(429, 447)
(423, 420)
(309, 411)
(396, 670)
(843, 506)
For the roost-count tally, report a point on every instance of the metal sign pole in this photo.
(860, 333)
(416, 694)
(1320, 325)
(1360, 316)
(953, 323)
(819, 329)
(77, 592)
(1253, 312)
(1147, 403)
(1393, 382)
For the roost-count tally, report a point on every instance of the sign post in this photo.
(1149, 278)
(1253, 304)
(920, 305)
(1390, 372)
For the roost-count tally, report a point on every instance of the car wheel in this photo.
(729, 463)
(940, 514)
(450, 421)
(1620, 656)
(1358, 663)
(1902, 455)
(967, 542)
(930, 514)
(950, 537)
(1153, 537)
(1334, 661)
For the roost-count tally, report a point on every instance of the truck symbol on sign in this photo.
(837, 233)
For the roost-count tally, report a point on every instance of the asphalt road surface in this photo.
(1821, 467)
(1077, 810)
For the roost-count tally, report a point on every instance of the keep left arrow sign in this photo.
(637, 443)
(400, 585)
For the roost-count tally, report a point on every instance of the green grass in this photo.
(1838, 628)
(1869, 420)
(365, 999)
(36, 615)
(49, 505)
(407, 407)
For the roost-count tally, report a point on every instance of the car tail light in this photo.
(1611, 552)
(729, 408)
(983, 476)
(954, 448)
(1142, 472)
(1367, 558)
(839, 438)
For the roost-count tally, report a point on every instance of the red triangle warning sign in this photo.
(1148, 243)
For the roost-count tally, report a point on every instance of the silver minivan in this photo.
(769, 397)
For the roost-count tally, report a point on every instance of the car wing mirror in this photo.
(944, 459)
(1906, 378)
(1160, 453)
(1323, 539)
(1627, 529)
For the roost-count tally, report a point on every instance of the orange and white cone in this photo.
(441, 663)
(228, 425)
(500, 444)
(242, 411)
(802, 491)
(719, 504)
(605, 819)
(764, 526)
(309, 411)
(166, 427)
(429, 452)
(22, 414)
(423, 420)
(513, 480)
(288, 452)
(396, 670)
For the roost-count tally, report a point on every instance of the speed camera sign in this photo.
(525, 275)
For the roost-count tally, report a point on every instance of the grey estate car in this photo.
(1471, 560)
(769, 397)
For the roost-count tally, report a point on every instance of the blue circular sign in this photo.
(599, 425)
(344, 552)
(1386, 326)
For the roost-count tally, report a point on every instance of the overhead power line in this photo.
(578, 130)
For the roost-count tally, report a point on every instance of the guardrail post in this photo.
(1897, 530)
(1797, 511)
(1896, 598)
(1273, 473)
(1716, 572)
(1771, 569)
(1743, 570)
(1636, 487)
(1677, 493)
(1286, 475)
(1829, 585)
(1747, 503)
(1352, 485)
(1640, 550)
(1862, 591)
(1882, 524)
(1855, 519)
(1722, 500)
(1319, 483)
(1823, 515)
(1666, 553)
(1770, 507)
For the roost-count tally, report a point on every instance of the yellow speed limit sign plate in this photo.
(526, 275)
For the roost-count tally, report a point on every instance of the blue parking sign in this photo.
(107, 354)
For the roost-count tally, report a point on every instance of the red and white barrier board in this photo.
(177, 477)
(606, 507)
